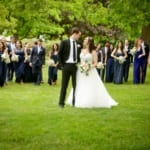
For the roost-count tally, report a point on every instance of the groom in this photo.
(68, 57)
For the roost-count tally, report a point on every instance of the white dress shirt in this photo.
(70, 59)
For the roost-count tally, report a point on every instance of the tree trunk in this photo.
(146, 34)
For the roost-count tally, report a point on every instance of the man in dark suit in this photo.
(36, 61)
(127, 62)
(147, 51)
(68, 56)
(10, 68)
(104, 53)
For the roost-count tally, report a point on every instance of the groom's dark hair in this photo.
(75, 30)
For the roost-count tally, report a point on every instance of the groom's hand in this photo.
(60, 66)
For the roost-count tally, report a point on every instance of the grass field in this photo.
(30, 119)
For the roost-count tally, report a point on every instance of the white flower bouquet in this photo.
(84, 67)
(100, 65)
(51, 62)
(121, 59)
(78, 46)
(27, 58)
(6, 58)
(133, 51)
(15, 58)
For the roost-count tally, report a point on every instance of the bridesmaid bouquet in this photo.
(6, 58)
(84, 67)
(15, 58)
(133, 51)
(51, 62)
(121, 59)
(27, 58)
(100, 65)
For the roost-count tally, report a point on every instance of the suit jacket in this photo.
(104, 54)
(9, 48)
(64, 51)
(129, 56)
(37, 59)
(147, 50)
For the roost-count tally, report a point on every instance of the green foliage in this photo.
(129, 16)
(111, 19)
(5, 21)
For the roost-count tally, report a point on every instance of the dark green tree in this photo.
(103, 19)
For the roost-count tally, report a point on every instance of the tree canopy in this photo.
(105, 19)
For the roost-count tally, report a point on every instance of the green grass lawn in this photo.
(30, 119)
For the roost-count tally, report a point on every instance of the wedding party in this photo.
(74, 75)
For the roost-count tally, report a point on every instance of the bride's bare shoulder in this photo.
(94, 52)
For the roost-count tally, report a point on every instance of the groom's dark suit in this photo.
(68, 68)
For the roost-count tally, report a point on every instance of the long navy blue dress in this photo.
(2, 70)
(118, 70)
(52, 70)
(28, 76)
(19, 66)
(138, 70)
(109, 67)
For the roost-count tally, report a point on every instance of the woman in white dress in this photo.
(90, 91)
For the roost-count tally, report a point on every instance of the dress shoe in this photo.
(61, 105)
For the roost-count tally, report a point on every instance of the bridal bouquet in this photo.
(100, 65)
(84, 67)
(121, 59)
(133, 51)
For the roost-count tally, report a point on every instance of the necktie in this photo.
(74, 51)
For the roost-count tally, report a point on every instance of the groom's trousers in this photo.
(69, 70)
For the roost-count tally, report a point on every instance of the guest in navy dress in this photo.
(109, 65)
(28, 77)
(2, 64)
(19, 64)
(139, 62)
(52, 69)
(119, 54)
(8, 58)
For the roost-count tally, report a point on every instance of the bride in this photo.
(90, 91)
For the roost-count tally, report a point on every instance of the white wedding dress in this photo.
(90, 91)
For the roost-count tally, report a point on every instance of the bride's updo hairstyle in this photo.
(91, 44)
